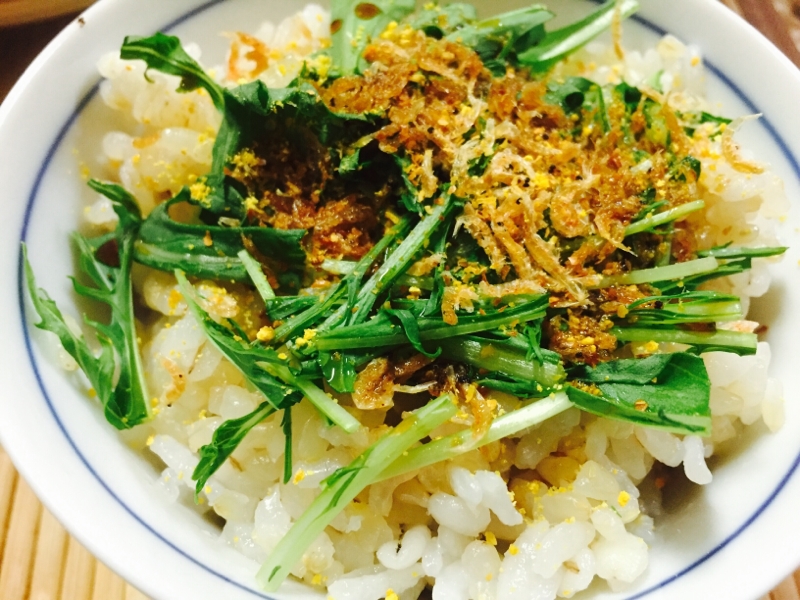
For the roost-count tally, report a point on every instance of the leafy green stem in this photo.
(348, 285)
(495, 356)
(399, 260)
(668, 216)
(257, 276)
(668, 273)
(322, 401)
(729, 341)
(383, 333)
(458, 443)
(346, 483)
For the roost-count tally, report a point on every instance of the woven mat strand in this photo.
(38, 559)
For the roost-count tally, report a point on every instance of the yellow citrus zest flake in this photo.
(207, 241)
(391, 595)
(541, 181)
(200, 191)
(513, 550)
(92, 393)
(174, 298)
(265, 334)
(623, 498)
(490, 538)
(321, 64)
(299, 476)
(150, 439)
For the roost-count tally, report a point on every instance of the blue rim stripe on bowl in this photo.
(725, 79)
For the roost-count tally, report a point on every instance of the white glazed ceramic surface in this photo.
(720, 541)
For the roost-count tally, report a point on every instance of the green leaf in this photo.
(502, 37)
(694, 119)
(433, 307)
(250, 360)
(225, 440)
(578, 95)
(668, 391)
(253, 112)
(438, 21)
(130, 213)
(240, 352)
(249, 112)
(339, 370)
(99, 369)
(164, 53)
(408, 322)
(656, 128)
(695, 277)
(167, 245)
(681, 169)
(557, 44)
(125, 401)
(350, 162)
(354, 24)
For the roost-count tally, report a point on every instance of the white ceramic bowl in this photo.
(718, 542)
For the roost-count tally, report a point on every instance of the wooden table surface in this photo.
(39, 560)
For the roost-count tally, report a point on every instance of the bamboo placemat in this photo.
(39, 560)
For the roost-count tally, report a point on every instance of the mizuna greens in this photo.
(116, 372)
(405, 229)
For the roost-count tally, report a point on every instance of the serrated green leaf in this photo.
(164, 53)
(668, 391)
